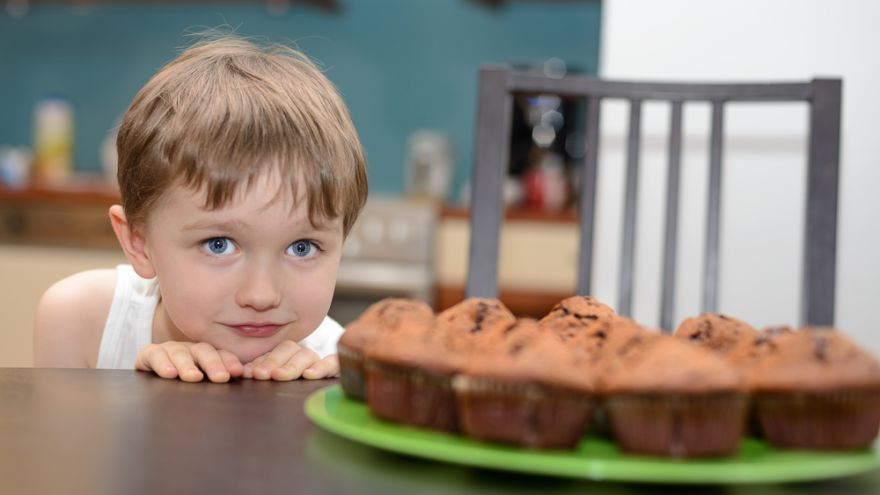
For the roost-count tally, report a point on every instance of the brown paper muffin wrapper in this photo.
(600, 424)
(838, 420)
(410, 396)
(678, 425)
(532, 415)
(753, 425)
(351, 372)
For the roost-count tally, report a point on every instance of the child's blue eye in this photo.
(219, 245)
(301, 249)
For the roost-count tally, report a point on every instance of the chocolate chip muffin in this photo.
(376, 323)
(816, 389)
(409, 376)
(666, 397)
(527, 388)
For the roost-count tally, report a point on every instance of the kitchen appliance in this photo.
(388, 253)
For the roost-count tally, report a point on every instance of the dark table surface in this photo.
(126, 432)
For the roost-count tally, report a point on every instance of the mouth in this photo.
(256, 329)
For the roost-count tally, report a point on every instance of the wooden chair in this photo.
(498, 84)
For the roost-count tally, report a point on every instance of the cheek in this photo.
(188, 298)
(311, 296)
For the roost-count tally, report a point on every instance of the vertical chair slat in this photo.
(817, 297)
(490, 167)
(670, 237)
(713, 217)
(625, 288)
(588, 196)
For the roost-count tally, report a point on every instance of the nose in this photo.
(259, 289)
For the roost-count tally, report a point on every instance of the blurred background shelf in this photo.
(73, 215)
(530, 282)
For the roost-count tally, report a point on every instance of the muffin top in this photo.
(762, 343)
(814, 359)
(599, 339)
(621, 331)
(717, 332)
(444, 344)
(430, 348)
(576, 314)
(476, 316)
(529, 353)
(652, 362)
(384, 317)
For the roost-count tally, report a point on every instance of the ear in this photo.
(133, 243)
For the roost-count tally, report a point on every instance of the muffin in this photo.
(603, 343)
(744, 355)
(528, 388)
(377, 322)
(409, 376)
(720, 333)
(816, 389)
(666, 397)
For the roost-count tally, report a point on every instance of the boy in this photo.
(241, 174)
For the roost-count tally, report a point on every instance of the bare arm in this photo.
(70, 319)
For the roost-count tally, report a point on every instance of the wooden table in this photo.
(125, 432)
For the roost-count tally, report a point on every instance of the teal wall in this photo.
(400, 64)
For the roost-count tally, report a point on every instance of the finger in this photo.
(293, 368)
(249, 367)
(325, 368)
(154, 358)
(232, 363)
(183, 360)
(208, 359)
(281, 354)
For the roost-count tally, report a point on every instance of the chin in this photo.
(252, 350)
(247, 356)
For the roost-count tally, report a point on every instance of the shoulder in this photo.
(70, 319)
(323, 339)
(329, 324)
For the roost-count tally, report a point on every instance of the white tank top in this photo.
(129, 324)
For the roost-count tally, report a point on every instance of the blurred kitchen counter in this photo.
(537, 265)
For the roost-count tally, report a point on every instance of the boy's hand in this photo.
(189, 362)
(288, 361)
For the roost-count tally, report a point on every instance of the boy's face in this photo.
(243, 277)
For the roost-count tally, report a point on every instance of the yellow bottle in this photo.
(53, 140)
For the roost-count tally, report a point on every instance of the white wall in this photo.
(762, 210)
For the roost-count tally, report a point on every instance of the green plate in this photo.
(594, 458)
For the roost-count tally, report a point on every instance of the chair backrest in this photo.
(499, 84)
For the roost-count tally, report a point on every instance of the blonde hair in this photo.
(227, 111)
